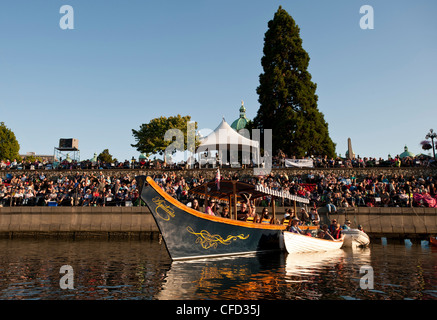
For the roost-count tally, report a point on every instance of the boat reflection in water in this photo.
(325, 275)
(142, 269)
(252, 276)
(322, 275)
(302, 264)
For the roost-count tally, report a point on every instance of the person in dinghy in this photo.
(294, 228)
(336, 233)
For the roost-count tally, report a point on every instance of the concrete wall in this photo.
(134, 221)
(391, 222)
(74, 221)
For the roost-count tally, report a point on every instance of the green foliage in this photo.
(150, 136)
(287, 96)
(9, 147)
(105, 156)
(32, 159)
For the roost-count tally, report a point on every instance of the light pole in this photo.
(432, 135)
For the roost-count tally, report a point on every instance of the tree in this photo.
(287, 96)
(32, 159)
(432, 135)
(105, 156)
(9, 147)
(151, 136)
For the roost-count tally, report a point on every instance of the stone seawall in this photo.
(412, 223)
(391, 222)
(76, 221)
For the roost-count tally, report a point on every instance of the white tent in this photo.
(225, 139)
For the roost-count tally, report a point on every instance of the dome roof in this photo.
(241, 122)
(406, 153)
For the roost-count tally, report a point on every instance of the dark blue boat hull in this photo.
(190, 234)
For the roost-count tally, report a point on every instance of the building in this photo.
(42, 157)
(241, 122)
(406, 153)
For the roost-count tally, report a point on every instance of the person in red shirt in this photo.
(336, 234)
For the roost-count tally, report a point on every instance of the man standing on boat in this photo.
(303, 216)
(314, 217)
(246, 209)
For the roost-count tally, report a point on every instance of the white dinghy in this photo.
(355, 238)
(295, 242)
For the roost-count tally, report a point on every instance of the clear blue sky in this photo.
(127, 62)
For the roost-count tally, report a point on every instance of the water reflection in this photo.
(29, 269)
(243, 277)
(124, 269)
(400, 272)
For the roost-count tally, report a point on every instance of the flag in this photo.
(217, 179)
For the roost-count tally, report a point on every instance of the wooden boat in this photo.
(295, 243)
(190, 234)
(355, 238)
(433, 241)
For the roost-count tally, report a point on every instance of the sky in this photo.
(127, 62)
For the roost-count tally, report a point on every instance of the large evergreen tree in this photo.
(287, 96)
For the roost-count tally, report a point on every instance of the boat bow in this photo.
(189, 233)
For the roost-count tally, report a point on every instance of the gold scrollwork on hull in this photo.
(163, 210)
(208, 240)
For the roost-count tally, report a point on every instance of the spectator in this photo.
(324, 233)
(336, 233)
(303, 216)
(265, 217)
(347, 225)
(209, 209)
(87, 198)
(225, 212)
(29, 197)
(196, 206)
(243, 213)
(314, 217)
(295, 226)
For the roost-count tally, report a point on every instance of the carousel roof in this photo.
(406, 153)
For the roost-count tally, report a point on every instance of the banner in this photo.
(280, 194)
(426, 199)
(300, 163)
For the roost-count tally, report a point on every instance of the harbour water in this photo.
(142, 270)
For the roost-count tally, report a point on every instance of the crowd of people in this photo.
(328, 189)
(333, 190)
(277, 162)
(77, 190)
(397, 161)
